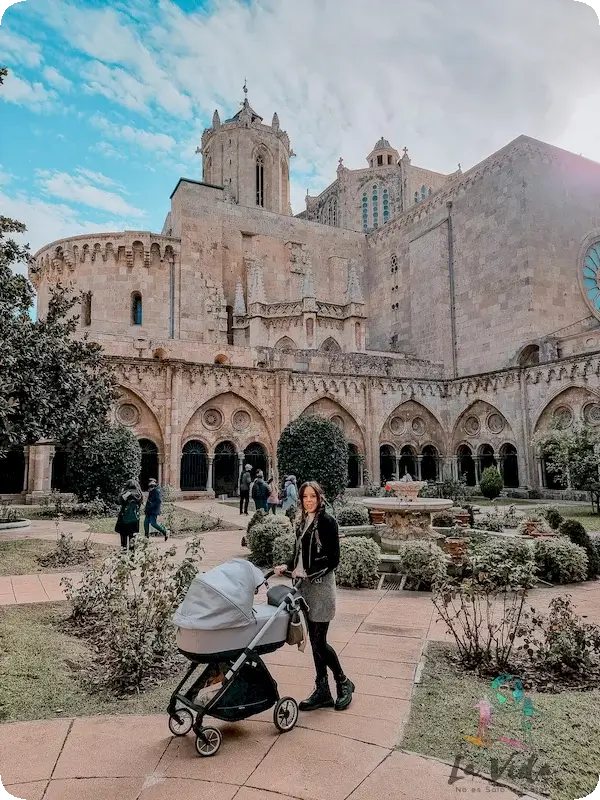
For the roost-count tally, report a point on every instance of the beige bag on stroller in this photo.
(296, 634)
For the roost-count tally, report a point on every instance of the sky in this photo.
(105, 104)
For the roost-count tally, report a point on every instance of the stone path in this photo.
(329, 756)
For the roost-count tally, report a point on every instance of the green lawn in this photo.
(19, 557)
(39, 666)
(566, 731)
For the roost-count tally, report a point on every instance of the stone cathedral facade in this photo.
(440, 320)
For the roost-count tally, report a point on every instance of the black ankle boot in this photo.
(345, 687)
(320, 698)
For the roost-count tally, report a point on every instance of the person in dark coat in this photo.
(245, 482)
(316, 557)
(128, 520)
(152, 510)
(261, 492)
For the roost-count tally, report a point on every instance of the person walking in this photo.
(152, 510)
(273, 499)
(245, 482)
(316, 557)
(128, 519)
(260, 492)
(290, 498)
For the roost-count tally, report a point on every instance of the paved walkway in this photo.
(329, 756)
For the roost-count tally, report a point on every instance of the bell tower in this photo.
(249, 159)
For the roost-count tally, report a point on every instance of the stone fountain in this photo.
(407, 516)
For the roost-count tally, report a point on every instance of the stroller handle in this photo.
(270, 572)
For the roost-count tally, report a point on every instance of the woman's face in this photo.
(310, 501)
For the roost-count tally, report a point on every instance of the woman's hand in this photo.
(280, 569)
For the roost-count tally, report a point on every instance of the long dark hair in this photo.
(316, 487)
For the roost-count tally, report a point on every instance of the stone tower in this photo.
(249, 159)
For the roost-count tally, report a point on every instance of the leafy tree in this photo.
(315, 449)
(491, 483)
(579, 536)
(52, 386)
(573, 456)
(100, 465)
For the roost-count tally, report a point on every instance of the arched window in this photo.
(86, 310)
(136, 308)
(334, 213)
(423, 193)
(430, 192)
(365, 212)
(375, 206)
(394, 263)
(207, 169)
(416, 197)
(386, 206)
(260, 181)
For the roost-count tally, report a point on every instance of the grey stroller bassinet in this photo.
(223, 634)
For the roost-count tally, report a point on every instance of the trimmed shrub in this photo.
(422, 563)
(314, 449)
(491, 522)
(100, 466)
(491, 483)
(444, 519)
(283, 548)
(503, 562)
(579, 536)
(262, 534)
(553, 516)
(353, 515)
(359, 563)
(560, 561)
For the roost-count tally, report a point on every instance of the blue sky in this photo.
(105, 104)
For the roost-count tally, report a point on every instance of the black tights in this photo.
(323, 653)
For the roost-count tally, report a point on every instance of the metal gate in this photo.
(194, 467)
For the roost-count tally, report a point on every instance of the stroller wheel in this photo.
(208, 741)
(285, 715)
(185, 726)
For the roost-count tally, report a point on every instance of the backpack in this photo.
(131, 513)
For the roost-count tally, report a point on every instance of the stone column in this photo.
(397, 475)
(40, 474)
(172, 433)
(210, 478)
(419, 460)
(540, 471)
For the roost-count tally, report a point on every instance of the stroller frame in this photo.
(245, 666)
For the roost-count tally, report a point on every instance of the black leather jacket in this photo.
(320, 547)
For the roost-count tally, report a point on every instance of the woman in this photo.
(273, 499)
(290, 498)
(128, 521)
(316, 556)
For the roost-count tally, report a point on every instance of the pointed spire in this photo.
(354, 291)
(216, 120)
(308, 283)
(275, 123)
(239, 306)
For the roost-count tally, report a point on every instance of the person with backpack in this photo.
(128, 520)
(261, 492)
(290, 498)
(152, 510)
(245, 482)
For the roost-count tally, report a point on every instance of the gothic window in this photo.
(86, 310)
(375, 206)
(430, 192)
(260, 181)
(365, 212)
(416, 197)
(386, 206)
(136, 308)
(379, 161)
(334, 213)
(591, 277)
(394, 263)
(423, 193)
(389, 160)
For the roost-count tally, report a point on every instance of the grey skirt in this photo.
(320, 598)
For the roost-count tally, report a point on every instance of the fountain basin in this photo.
(407, 519)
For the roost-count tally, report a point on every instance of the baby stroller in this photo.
(224, 636)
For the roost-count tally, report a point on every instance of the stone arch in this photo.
(387, 462)
(479, 423)
(509, 466)
(150, 467)
(232, 417)
(430, 463)
(286, 344)
(529, 356)
(328, 407)
(134, 411)
(412, 423)
(575, 397)
(13, 471)
(193, 470)
(466, 463)
(330, 345)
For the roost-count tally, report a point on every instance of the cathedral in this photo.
(440, 320)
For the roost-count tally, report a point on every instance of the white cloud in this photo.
(137, 136)
(56, 79)
(99, 178)
(117, 85)
(23, 93)
(17, 50)
(108, 151)
(78, 189)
